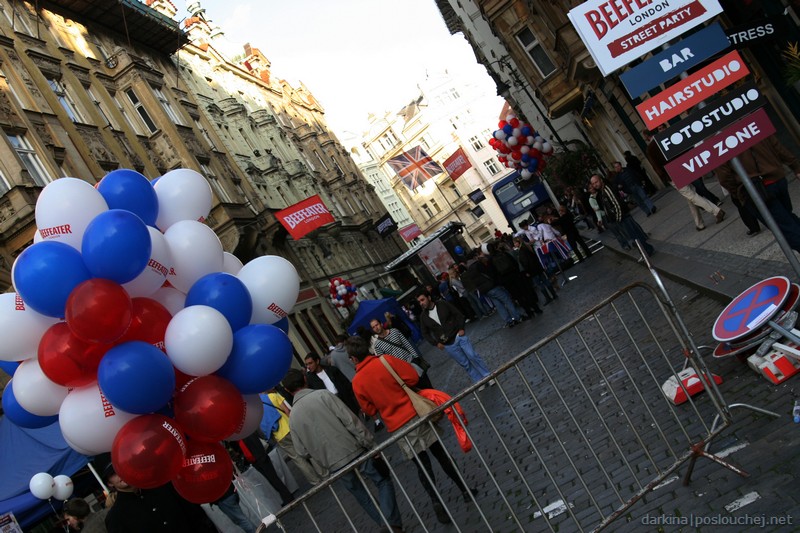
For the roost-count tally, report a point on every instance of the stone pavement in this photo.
(765, 447)
(721, 260)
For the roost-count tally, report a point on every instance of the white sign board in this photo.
(618, 31)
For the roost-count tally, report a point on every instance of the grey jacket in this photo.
(324, 428)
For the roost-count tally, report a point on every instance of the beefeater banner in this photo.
(304, 217)
(618, 31)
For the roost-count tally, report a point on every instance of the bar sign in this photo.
(720, 148)
(678, 58)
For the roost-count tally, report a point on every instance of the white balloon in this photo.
(63, 487)
(516, 132)
(547, 147)
(89, 421)
(524, 148)
(538, 145)
(231, 263)
(510, 117)
(35, 392)
(42, 486)
(64, 209)
(198, 340)
(37, 237)
(183, 194)
(196, 251)
(273, 284)
(171, 298)
(500, 135)
(21, 328)
(512, 141)
(155, 273)
(253, 412)
(525, 173)
(77, 448)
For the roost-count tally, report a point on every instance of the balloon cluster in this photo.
(343, 293)
(44, 486)
(138, 334)
(520, 147)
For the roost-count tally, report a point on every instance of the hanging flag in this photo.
(414, 167)
(304, 217)
(385, 225)
(410, 232)
(457, 164)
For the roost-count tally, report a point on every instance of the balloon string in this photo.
(53, 507)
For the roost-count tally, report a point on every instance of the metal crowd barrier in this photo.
(576, 430)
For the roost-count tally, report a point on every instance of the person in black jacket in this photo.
(152, 510)
(533, 270)
(566, 225)
(320, 377)
(443, 326)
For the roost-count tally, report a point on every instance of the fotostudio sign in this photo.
(703, 122)
(618, 31)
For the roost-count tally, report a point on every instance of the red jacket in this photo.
(378, 392)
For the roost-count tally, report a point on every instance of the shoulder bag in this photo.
(422, 405)
(416, 359)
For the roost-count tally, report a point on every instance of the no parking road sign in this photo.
(751, 309)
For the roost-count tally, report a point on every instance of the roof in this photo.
(129, 17)
(441, 232)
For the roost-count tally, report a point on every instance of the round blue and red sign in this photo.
(752, 309)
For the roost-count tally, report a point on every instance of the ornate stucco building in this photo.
(86, 88)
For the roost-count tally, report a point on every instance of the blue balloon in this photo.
(526, 130)
(283, 324)
(116, 246)
(260, 357)
(127, 189)
(45, 274)
(136, 377)
(19, 416)
(458, 250)
(9, 367)
(525, 158)
(225, 293)
(508, 129)
(533, 164)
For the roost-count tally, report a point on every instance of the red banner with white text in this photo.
(304, 217)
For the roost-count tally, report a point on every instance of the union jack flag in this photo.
(414, 167)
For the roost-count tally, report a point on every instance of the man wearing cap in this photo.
(152, 510)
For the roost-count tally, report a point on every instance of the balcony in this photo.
(294, 168)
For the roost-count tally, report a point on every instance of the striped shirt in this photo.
(396, 345)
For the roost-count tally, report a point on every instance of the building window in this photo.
(222, 194)
(427, 210)
(476, 143)
(11, 90)
(4, 185)
(454, 94)
(321, 161)
(492, 166)
(30, 159)
(173, 115)
(65, 100)
(350, 206)
(143, 114)
(338, 168)
(204, 133)
(536, 52)
(101, 108)
(455, 190)
(435, 206)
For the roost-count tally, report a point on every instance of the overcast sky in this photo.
(356, 56)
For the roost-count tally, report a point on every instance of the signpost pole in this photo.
(766, 215)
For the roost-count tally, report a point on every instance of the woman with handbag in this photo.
(383, 385)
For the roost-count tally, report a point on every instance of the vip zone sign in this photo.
(618, 31)
(720, 148)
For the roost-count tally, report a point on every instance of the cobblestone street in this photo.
(541, 463)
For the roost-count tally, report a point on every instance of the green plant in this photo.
(792, 69)
(574, 166)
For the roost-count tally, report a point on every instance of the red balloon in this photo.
(502, 124)
(148, 451)
(209, 408)
(206, 473)
(68, 360)
(149, 323)
(181, 379)
(514, 123)
(99, 310)
(533, 152)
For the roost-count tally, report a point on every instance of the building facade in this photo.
(80, 99)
